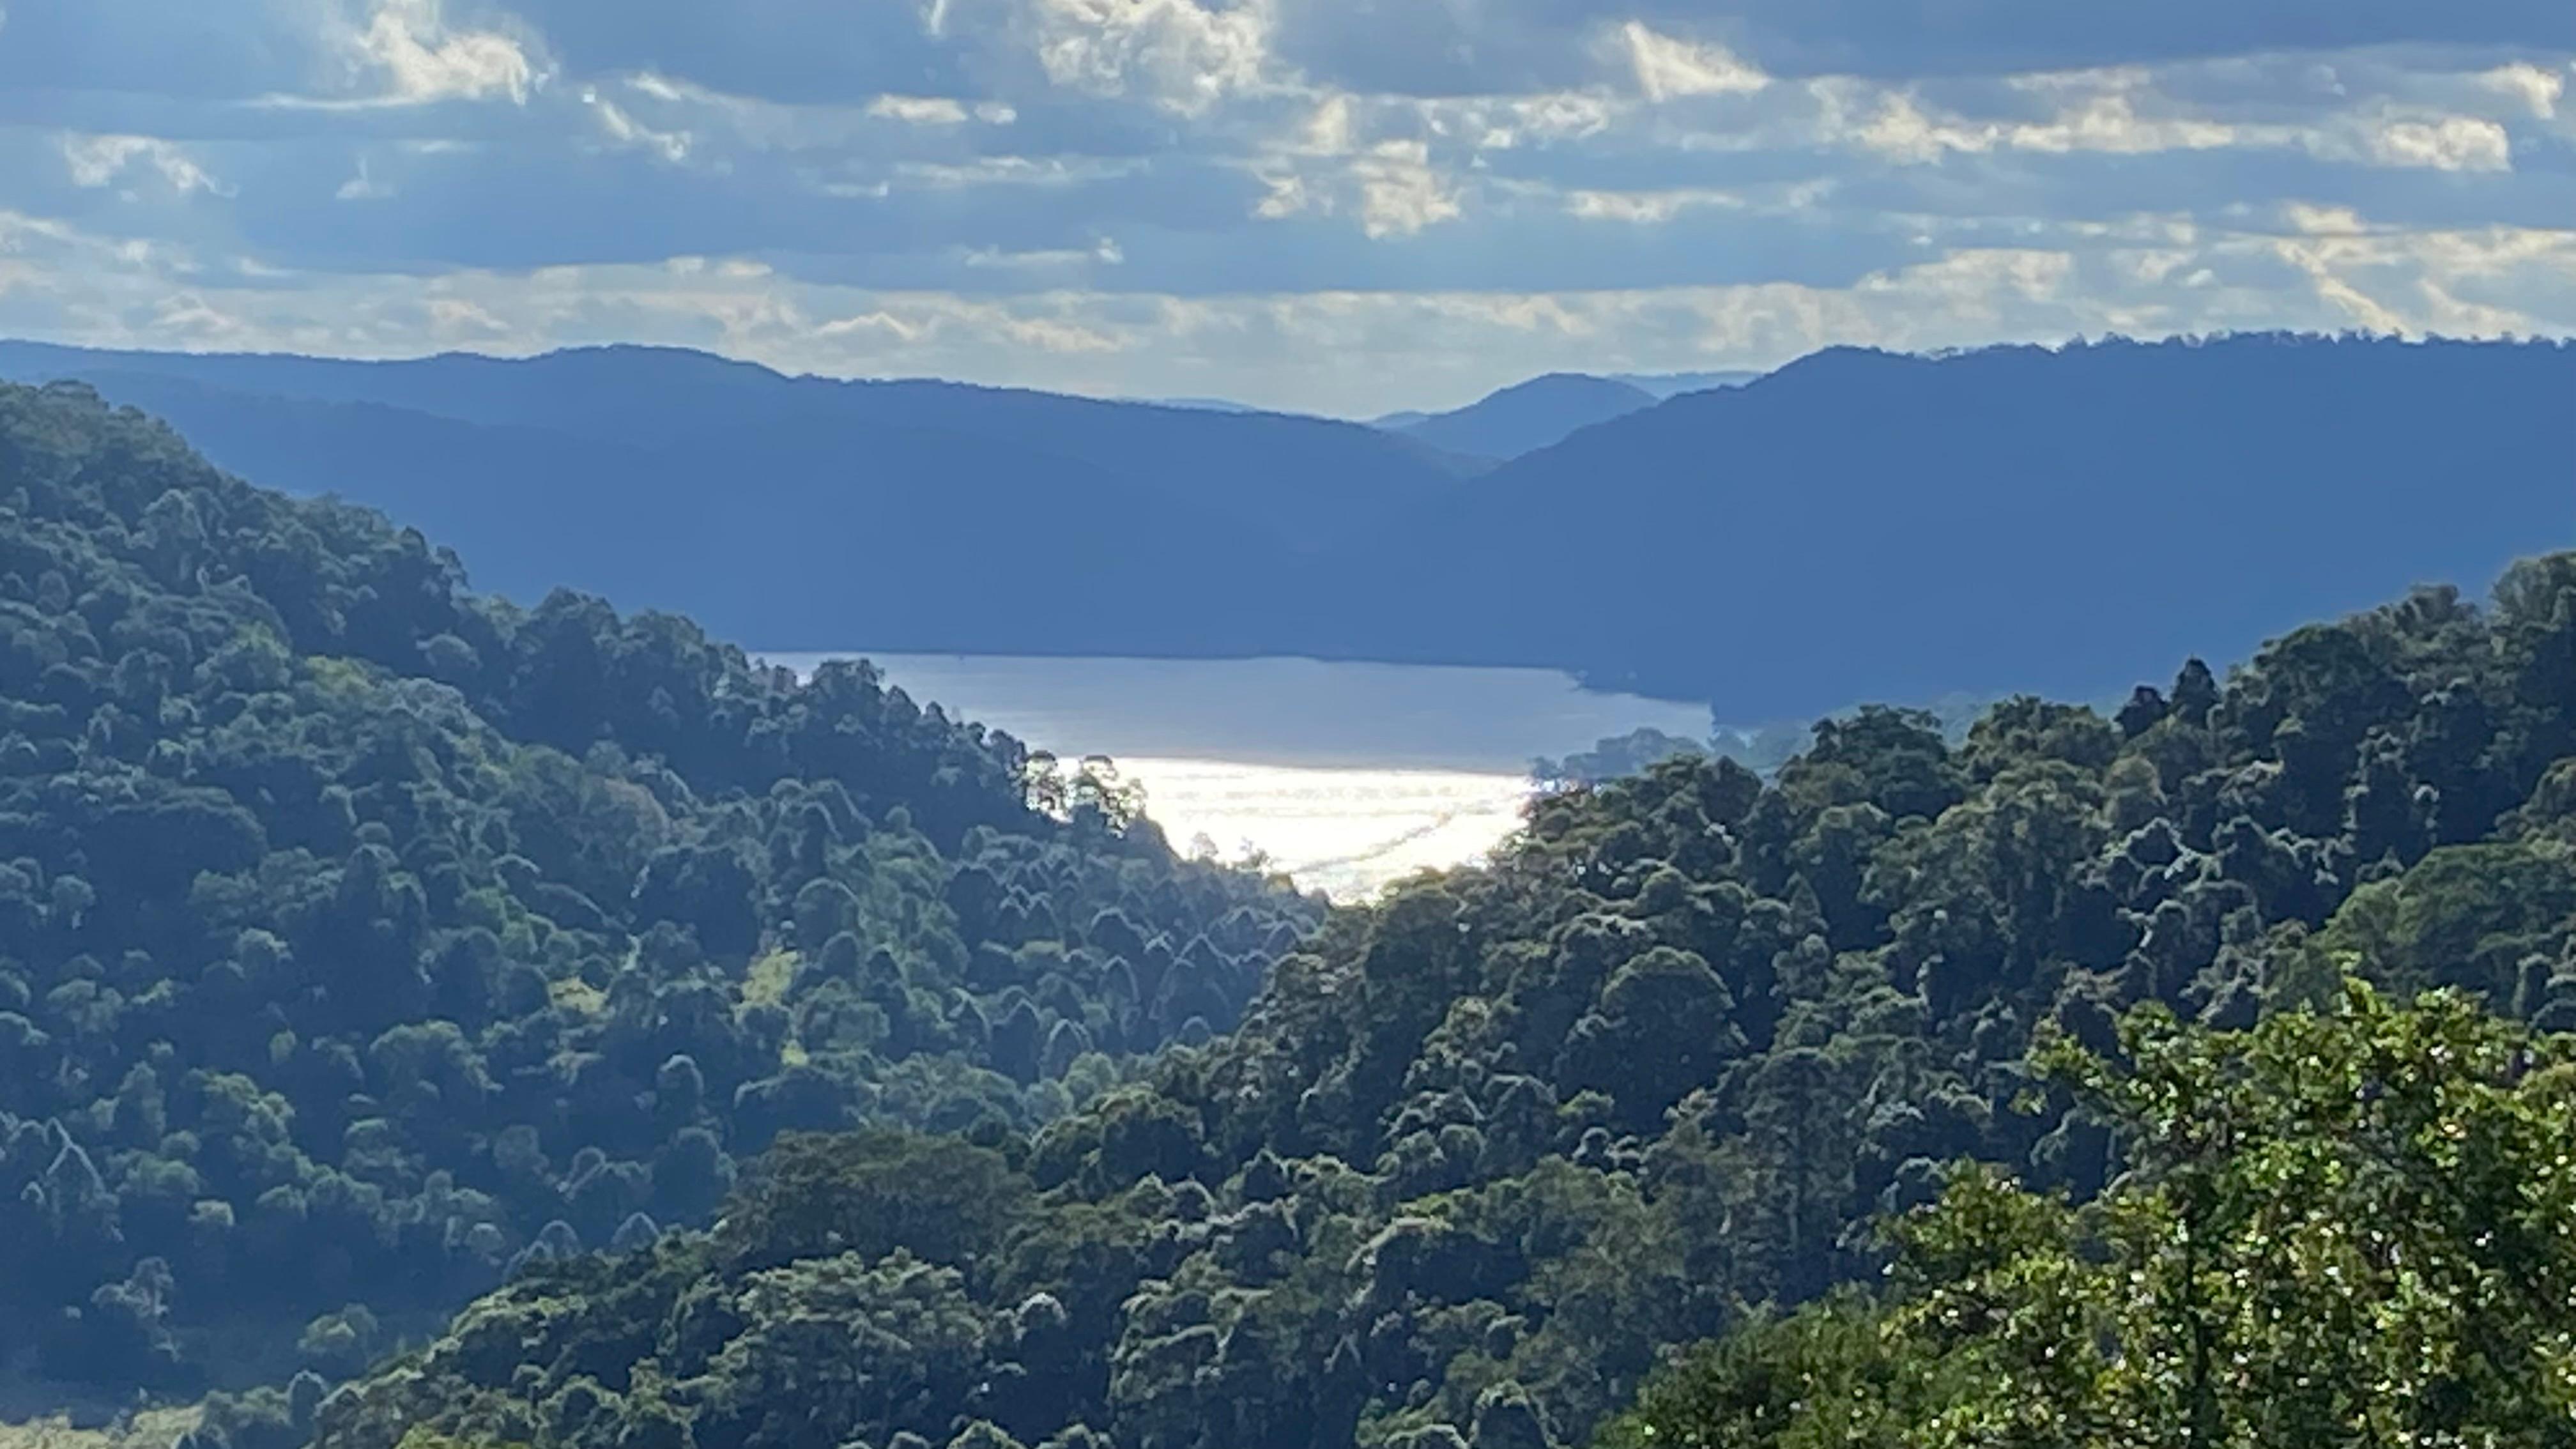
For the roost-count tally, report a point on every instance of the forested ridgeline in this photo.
(361, 938)
(1482, 1153)
(2336, 1228)
(1856, 526)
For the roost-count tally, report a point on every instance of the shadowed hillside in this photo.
(1482, 1153)
(1857, 525)
(1865, 524)
(362, 938)
(1529, 416)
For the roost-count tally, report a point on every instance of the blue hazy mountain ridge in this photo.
(1288, 476)
(1858, 525)
(1544, 411)
(1868, 524)
(1674, 384)
(1209, 405)
(940, 541)
(1528, 416)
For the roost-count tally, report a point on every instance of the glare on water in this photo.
(1345, 832)
(1347, 776)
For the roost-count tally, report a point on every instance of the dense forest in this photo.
(363, 940)
(1856, 526)
(1482, 1153)
(2336, 1228)
(807, 1068)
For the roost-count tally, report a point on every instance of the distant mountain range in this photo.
(1545, 411)
(1674, 384)
(796, 513)
(1526, 416)
(1855, 525)
(1539, 413)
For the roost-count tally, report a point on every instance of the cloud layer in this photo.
(1343, 205)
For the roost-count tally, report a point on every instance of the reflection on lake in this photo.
(1347, 775)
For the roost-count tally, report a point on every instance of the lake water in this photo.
(1348, 775)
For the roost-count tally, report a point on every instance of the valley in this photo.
(1287, 724)
(2012, 519)
(432, 1019)
(1347, 776)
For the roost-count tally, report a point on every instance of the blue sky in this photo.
(1348, 206)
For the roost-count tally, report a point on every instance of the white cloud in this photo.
(97, 161)
(418, 56)
(1048, 334)
(1666, 68)
(1329, 131)
(625, 130)
(1400, 193)
(2451, 143)
(1302, 350)
(2096, 112)
(1184, 56)
(919, 110)
(363, 186)
(2536, 87)
(1287, 197)
(190, 319)
(2331, 286)
(1547, 189)
(663, 88)
(454, 319)
(1499, 124)
(1645, 207)
(1104, 252)
(2309, 220)
(2110, 125)
(1051, 171)
(1901, 131)
(2124, 112)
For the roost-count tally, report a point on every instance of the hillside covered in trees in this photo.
(1482, 1153)
(2336, 1227)
(363, 939)
(1856, 526)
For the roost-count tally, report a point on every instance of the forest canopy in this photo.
(1483, 1153)
(362, 938)
(2334, 1228)
(554, 1029)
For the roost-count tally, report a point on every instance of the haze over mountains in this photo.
(556, 1029)
(1773, 548)
(1546, 410)
(1524, 418)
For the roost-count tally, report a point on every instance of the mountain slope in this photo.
(1481, 1152)
(1673, 384)
(1868, 525)
(361, 937)
(1527, 416)
(1855, 526)
(1277, 477)
(812, 539)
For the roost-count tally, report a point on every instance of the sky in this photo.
(1342, 206)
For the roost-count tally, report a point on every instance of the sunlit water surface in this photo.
(1348, 776)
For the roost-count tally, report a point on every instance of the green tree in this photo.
(2338, 1228)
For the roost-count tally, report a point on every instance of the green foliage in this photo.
(871, 1193)
(1480, 1153)
(2348, 1227)
(362, 939)
(363, 942)
(1628, 754)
